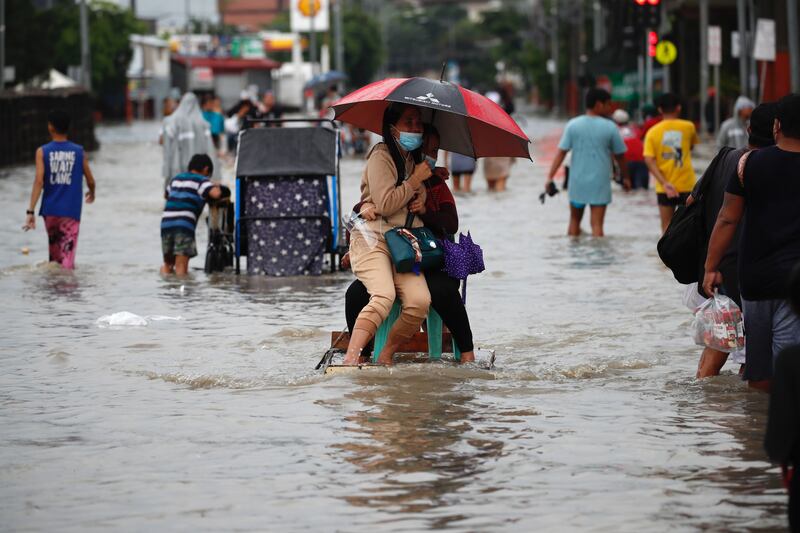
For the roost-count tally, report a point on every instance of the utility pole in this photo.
(313, 52)
(752, 66)
(86, 60)
(640, 85)
(2, 44)
(188, 43)
(794, 44)
(554, 58)
(741, 17)
(648, 71)
(581, 46)
(133, 8)
(703, 64)
(339, 44)
(665, 69)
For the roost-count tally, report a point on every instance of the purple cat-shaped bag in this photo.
(462, 259)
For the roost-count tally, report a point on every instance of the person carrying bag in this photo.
(414, 249)
(682, 248)
(392, 181)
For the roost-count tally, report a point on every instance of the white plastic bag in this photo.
(718, 325)
(693, 299)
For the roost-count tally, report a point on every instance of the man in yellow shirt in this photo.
(668, 155)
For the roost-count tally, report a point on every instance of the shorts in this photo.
(578, 205)
(672, 202)
(62, 234)
(769, 326)
(177, 243)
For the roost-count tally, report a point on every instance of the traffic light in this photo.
(647, 13)
(652, 41)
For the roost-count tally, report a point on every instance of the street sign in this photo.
(247, 47)
(666, 52)
(308, 14)
(201, 78)
(735, 44)
(714, 45)
(764, 50)
(551, 66)
(9, 74)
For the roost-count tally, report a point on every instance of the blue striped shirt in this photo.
(186, 196)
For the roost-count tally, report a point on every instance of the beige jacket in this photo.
(379, 187)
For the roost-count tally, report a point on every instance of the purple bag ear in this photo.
(473, 252)
(456, 261)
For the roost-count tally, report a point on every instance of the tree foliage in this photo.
(39, 40)
(363, 51)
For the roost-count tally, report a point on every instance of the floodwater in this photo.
(215, 419)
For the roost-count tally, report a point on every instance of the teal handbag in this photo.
(414, 249)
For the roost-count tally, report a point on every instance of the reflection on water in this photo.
(590, 422)
(592, 253)
(414, 432)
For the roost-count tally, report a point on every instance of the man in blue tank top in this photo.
(60, 168)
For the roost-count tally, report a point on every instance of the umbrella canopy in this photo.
(326, 79)
(468, 123)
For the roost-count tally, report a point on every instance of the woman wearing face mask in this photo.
(394, 176)
(438, 212)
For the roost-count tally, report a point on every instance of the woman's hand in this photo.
(421, 173)
(368, 211)
(417, 206)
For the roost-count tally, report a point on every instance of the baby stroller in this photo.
(220, 220)
(287, 198)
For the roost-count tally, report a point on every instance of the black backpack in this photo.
(683, 246)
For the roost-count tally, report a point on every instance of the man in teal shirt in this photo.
(593, 140)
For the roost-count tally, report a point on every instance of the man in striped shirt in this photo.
(187, 194)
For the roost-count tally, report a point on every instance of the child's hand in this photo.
(89, 197)
(30, 222)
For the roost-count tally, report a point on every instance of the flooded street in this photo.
(211, 416)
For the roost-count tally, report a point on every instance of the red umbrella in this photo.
(468, 123)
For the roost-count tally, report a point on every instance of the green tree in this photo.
(363, 49)
(110, 27)
(29, 47)
(38, 40)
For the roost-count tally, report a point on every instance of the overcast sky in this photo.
(172, 12)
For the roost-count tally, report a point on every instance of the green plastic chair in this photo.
(434, 334)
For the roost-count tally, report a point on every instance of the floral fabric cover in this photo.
(291, 238)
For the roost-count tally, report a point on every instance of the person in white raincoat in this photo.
(185, 133)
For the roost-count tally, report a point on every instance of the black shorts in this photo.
(663, 199)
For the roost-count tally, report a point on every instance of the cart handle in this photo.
(293, 120)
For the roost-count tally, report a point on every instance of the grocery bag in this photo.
(718, 324)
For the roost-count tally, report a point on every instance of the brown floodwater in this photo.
(214, 419)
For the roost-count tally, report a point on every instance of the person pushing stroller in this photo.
(187, 194)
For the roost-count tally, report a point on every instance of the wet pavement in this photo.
(211, 417)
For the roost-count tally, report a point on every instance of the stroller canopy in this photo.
(287, 152)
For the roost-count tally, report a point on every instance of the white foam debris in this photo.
(158, 318)
(124, 318)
